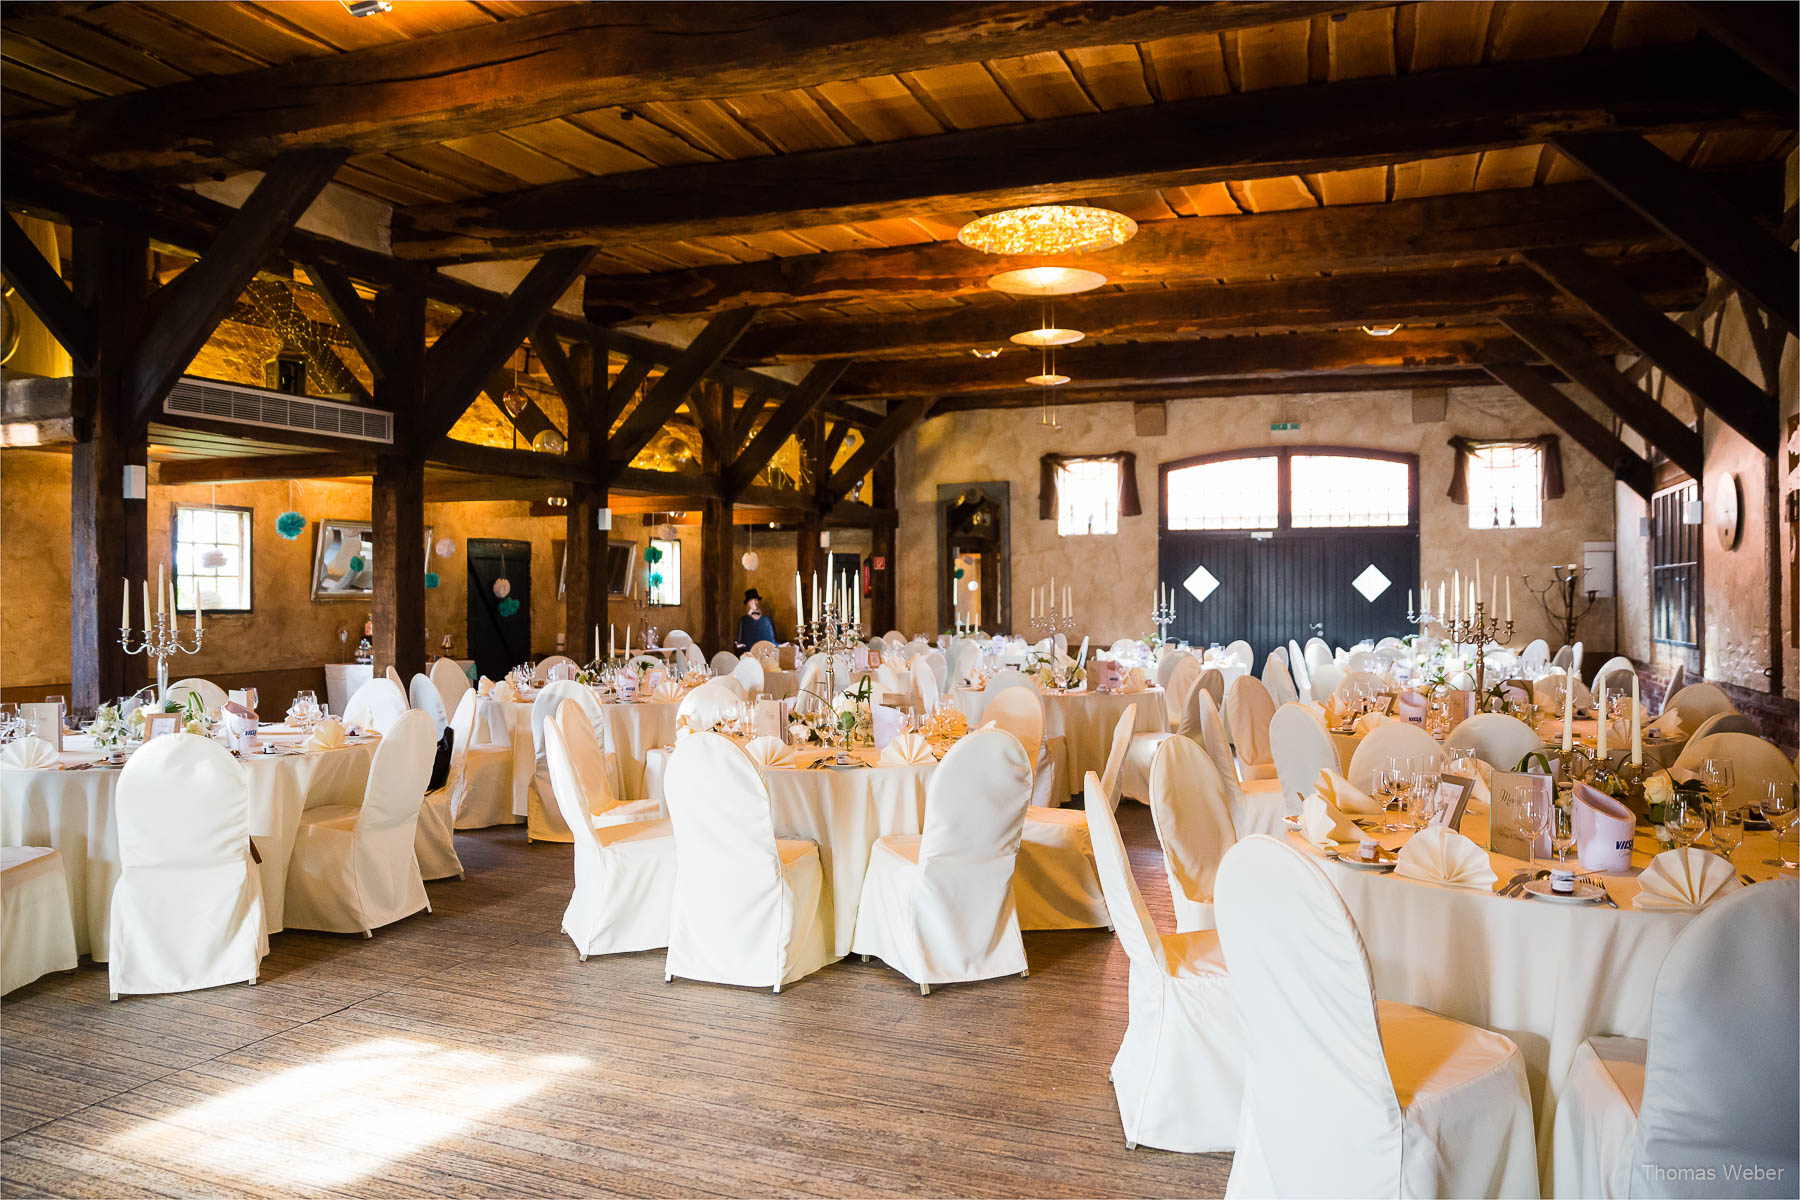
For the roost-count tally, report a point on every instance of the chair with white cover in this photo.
(1212, 682)
(894, 635)
(1169, 663)
(1275, 677)
(968, 660)
(894, 684)
(1301, 749)
(393, 677)
(1345, 1094)
(1576, 652)
(479, 788)
(1660, 1117)
(376, 705)
(1498, 740)
(591, 770)
(1390, 739)
(1318, 653)
(925, 688)
(1178, 693)
(937, 665)
(37, 924)
(1188, 803)
(1010, 677)
(543, 820)
(1248, 710)
(1255, 807)
(813, 685)
(746, 906)
(423, 695)
(624, 870)
(730, 683)
(938, 906)
(543, 675)
(1549, 691)
(678, 638)
(1564, 657)
(353, 867)
(1362, 660)
(1326, 678)
(1535, 656)
(1677, 681)
(706, 705)
(1055, 881)
(187, 909)
(435, 839)
(751, 674)
(724, 662)
(765, 652)
(1242, 652)
(1698, 701)
(1755, 764)
(1614, 672)
(1296, 664)
(1727, 722)
(450, 682)
(1179, 1072)
(212, 696)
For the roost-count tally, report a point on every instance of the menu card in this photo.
(44, 721)
(1505, 787)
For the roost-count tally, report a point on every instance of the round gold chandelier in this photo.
(1048, 229)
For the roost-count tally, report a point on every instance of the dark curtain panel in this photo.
(1050, 464)
(1549, 443)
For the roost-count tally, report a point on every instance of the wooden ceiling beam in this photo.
(799, 404)
(1197, 250)
(1210, 389)
(1627, 466)
(1182, 143)
(1763, 34)
(355, 316)
(666, 395)
(42, 286)
(580, 57)
(901, 418)
(176, 472)
(1709, 379)
(1463, 294)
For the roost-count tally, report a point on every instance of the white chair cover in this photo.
(1731, 722)
(1212, 682)
(1242, 652)
(766, 652)
(724, 662)
(730, 684)
(1301, 749)
(1547, 693)
(968, 660)
(435, 839)
(1019, 711)
(624, 872)
(212, 696)
(1193, 824)
(677, 638)
(1536, 655)
(1395, 739)
(1166, 665)
(187, 909)
(480, 784)
(894, 635)
(1362, 660)
(543, 819)
(813, 685)
(938, 907)
(1368, 680)
(1705, 1093)
(1327, 677)
(1260, 812)
(380, 701)
(1275, 677)
(1498, 740)
(1677, 681)
(1698, 701)
(1177, 685)
(1179, 1072)
(393, 676)
(1576, 652)
(1564, 657)
(593, 770)
(1133, 779)
(353, 868)
(1296, 664)
(1055, 882)
(1618, 664)
(705, 706)
(1345, 1095)
(424, 696)
(750, 673)
(1318, 654)
(1011, 677)
(1754, 764)
(1249, 708)
(450, 682)
(938, 667)
(896, 683)
(925, 687)
(542, 674)
(746, 906)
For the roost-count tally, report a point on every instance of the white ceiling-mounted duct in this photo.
(236, 404)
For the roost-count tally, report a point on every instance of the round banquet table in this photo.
(1083, 719)
(73, 810)
(633, 729)
(1548, 976)
(844, 811)
(1659, 753)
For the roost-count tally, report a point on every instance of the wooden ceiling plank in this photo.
(1626, 465)
(1763, 34)
(1076, 394)
(264, 467)
(91, 45)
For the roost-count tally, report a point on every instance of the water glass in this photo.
(1727, 828)
(1562, 833)
(1717, 777)
(1422, 804)
(1685, 820)
(1533, 810)
(1778, 806)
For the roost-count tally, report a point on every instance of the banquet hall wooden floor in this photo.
(468, 1052)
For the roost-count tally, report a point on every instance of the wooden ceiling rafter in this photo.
(43, 288)
(1627, 466)
(899, 421)
(799, 404)
(671, 389)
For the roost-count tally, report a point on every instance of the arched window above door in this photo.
(1307, 487)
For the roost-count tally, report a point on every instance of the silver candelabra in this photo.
(1162, 615)
(1478, 629)
(831, 634)
(1052, 623)
(161, 641)
(1423, 616)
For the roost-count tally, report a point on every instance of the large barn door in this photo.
(499, 642)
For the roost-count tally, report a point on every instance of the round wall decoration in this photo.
(1728, 510)
(503, 587)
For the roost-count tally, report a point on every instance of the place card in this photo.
(770, 720)
(1505, 788)
(1451, 801)
(158, 724)
(44, 721)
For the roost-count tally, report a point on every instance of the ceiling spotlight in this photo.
(1381, 330)
(1048, 380)
(1048, 229)
(365, 8)
(1048, 337)
(1046, 281)
(988, 352)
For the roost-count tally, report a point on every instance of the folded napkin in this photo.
(907, 749)
(360, 720)
(1323, 825)
(1336, 711)
(1684, 881)
(1135, 680)
(485, 686)
(1369, 722)
(1603, 830)
(502, 692)
(29, 754)
(1439, 855)
(769, 752)
(666, 691)
(326, 735)
(1412, 706)
(1668, 725)
(1334, 789)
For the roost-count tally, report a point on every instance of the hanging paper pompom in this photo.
(212, 560)
(959, 573)
(653, 554)
(507, 607)
(431, 579)
(503, 587)
(445, 547)
(750, 560)
(289, 525)
(655, 579)
(356, 564)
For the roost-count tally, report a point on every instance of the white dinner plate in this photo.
(1350, 860)
(1584, 893)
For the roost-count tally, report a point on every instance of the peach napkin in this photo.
(1440, 855)
(326, 735)
(1323, 825)
(906, 750)
(769, 752)
(1684, 881)
(1334, 789)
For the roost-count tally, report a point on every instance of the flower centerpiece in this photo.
(109, 729)
(191, 708)
(1056, 671)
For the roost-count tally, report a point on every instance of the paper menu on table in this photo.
(1505, 789)
(44, 721)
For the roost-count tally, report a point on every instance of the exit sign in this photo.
(1280, 426)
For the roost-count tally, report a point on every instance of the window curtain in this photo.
(1050, 468)
(1549, 444)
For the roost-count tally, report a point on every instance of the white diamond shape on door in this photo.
(1200, 584)
(1371, 583)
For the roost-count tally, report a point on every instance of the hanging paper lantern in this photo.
(958, 573)
(974, 585)
(507, 607)
(655, 580)
(357, 564)
(548, 441)
(503, 588)
(445, 547)
(289, 525)
(212, 560)
(431, 579)
(750, 560)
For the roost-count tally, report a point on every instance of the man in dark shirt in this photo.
(754, 626)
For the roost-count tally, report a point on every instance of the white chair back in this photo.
(212, 696)
(1249, 708)
(897, 682)
(450, 682)
(1179, 686)
(1362, 660)
(1576, 652)
(812, 684)
(677, 638)
(925, 687)
(1391, 739)
(1313, 1047)
(936, 664)
(587, 759)
(1548, 692)
(1193, 824)
(974, 814)
(1563, 657)
(1301, 749)
(766, 652)
(968, 660)
(1498, 740)
(1242, 652)
(1727, 722)
(1296, 664)
(545, 667)
(546, 702)
(1011, 677)
(1214, 737)
(749, 672)
(1698, 701)
(393, 677)
(730, 683)
(1618, 666)
(1167, 665)
(425, 698)
(1754, 764)
(1327, 677)
(1276, 679)
(704, 707)
(1019, 711)
(398, 775)
(894, 636)
(1318, 654)
(381, 701)
(1536, 655)
(183, 802)
(724, 662)
(462, 736)
(572, 803)
(1124, 903)
(1677, 681)
(1369, 681)
(1112, 777)
(1212, 682)
(1722, 1091)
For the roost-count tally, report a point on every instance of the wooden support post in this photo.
(584, 592)
(884, 579)
(107, 533)
(397, 497)
(718, 597)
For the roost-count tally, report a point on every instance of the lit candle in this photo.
(159, 589)
(1637, 728)
(1568, 715)
(1600, 712)
(1509, 599)
(1409, 603)
(125, 606)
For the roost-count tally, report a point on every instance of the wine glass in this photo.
(1717, 777)
(1422, 805)
(1685, 821)
(1562, 833)
(1778, 806)
(1727, 828)
(1531, 809)
(10, 721)
(1400, 773)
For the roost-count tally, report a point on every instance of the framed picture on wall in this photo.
(620, 558)
(344, 560)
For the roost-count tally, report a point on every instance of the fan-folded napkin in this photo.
(1668, 725)
(1370, 722)
(1684, 881)
(1135, 680)
(906, 750)
(485, 686)
(769, 752)
(666, 691)
(502, 692)
(29, 754)
(326, 735)
(1345, 796)
(1323, 825)
(1439, 855)
(1603, 830)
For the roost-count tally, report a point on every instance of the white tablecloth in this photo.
(1084, 720)
(1548, 976)
(632, 731)
(844, 812)
(73, 811)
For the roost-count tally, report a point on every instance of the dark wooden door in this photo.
(499, 643)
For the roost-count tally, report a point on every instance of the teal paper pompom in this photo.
(356, 563)
(507, 607)
(653, 554)
(431, 579)
(289, 525)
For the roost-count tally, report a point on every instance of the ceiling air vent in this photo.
(236, 404)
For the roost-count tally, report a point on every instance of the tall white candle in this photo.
(799, 600)
(146, 602)
(196, 608)
(1409, 603)
(612, 640)
(1568, 713)
(159, 589)
(125, 605)
(830, 576)
(856, 603)
(628, 641)
(1067, 608)
(1509, 599)
(1440, 611)
(815, 595)
(596, 639)
(1600, 712)
(1637, 727)
(1456, 597)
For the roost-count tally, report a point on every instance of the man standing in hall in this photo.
(754, 626)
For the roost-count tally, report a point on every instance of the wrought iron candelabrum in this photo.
(1558, 598)
(161, 641)
(833, 635)
(641, 603)
(1162, 615)
(1478, 629)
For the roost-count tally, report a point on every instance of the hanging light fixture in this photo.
(1048, 379)
(548, 441)
(1048, 333)
(986, 351)
(1046, 281)
(1048, 229)
(1381, 330)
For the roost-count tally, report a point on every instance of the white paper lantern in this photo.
(212, 560)
(445, 547)
(974, 585)
(750, 560)
(502, 588)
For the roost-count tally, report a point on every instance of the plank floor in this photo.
(467, 1052)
